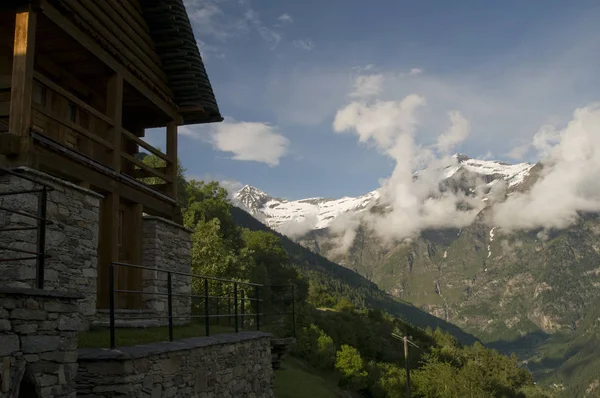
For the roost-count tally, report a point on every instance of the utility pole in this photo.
(407, 366)
(406, 340)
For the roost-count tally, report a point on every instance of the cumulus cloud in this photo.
(568, 184)
(304, 44)
(250, 141)
(456, 133)
(410, 205)
(415, 71)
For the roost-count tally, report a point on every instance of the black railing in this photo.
(41, 223)
(268, 301)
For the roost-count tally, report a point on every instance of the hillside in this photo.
(529, 291)
(342, 282)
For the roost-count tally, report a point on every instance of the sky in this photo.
(488, 75)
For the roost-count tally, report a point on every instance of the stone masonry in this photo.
(167, 246)
(38, 342)
(71, 239)
(227, 365)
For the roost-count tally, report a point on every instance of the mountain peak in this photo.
(251, 197)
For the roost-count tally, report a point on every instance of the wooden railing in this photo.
(87, 131)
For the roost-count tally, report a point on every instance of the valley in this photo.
(534, 292)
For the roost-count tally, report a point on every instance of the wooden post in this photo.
(108, 249)
(22, 77)
(114, 110)
(172, 155)
(135, 242)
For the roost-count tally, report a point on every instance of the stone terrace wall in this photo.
(228, 365)
(38, 342)
(166, 246)
(71, 241)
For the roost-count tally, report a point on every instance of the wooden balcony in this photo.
(68, 120)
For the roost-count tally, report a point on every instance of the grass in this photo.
(100, 337)
(297, 380)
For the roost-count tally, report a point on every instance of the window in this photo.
(72, 112)
(39, 94)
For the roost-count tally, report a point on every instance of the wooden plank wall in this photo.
(121, 25)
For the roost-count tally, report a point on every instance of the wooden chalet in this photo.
(80, 82)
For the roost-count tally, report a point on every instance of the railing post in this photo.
(242, 311)
(293, 312)
(170, 304)
(41, 237)
(111, 303)
(235, 305)
(228, 309)
(257, 307)
(217, 319)
(206, 323)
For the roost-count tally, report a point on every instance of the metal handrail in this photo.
(42, 222)
(239, 297)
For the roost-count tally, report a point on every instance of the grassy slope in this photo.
(347, 283)
(295, 379)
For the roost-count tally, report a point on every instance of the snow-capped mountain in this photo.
(318, 213)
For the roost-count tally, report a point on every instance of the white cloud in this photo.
(457, 132)
(366, 86)
(286, 18)
(411, 205)
(250, 141)
(415, 71)
(209, 51)
(304, 44)
(568, 183)
(209, 20)
(270, 36)
(296, 228)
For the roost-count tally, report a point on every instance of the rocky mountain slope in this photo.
(535, 292)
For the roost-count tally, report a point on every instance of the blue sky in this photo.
(281, 70)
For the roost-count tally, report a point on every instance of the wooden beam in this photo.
(22, 76)
(144, 144)
(143, 173)
(86, 41)
(172, 162)
(55, 87)
(73, 126)
(57, 164)
(114, 109)
(142, 165)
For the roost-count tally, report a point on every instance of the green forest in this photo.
(344, 324)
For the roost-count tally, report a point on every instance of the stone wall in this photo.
(166, 246)
(38, 342)
(71, 239)
(228, 365)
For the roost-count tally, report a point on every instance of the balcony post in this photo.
(22, 79)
